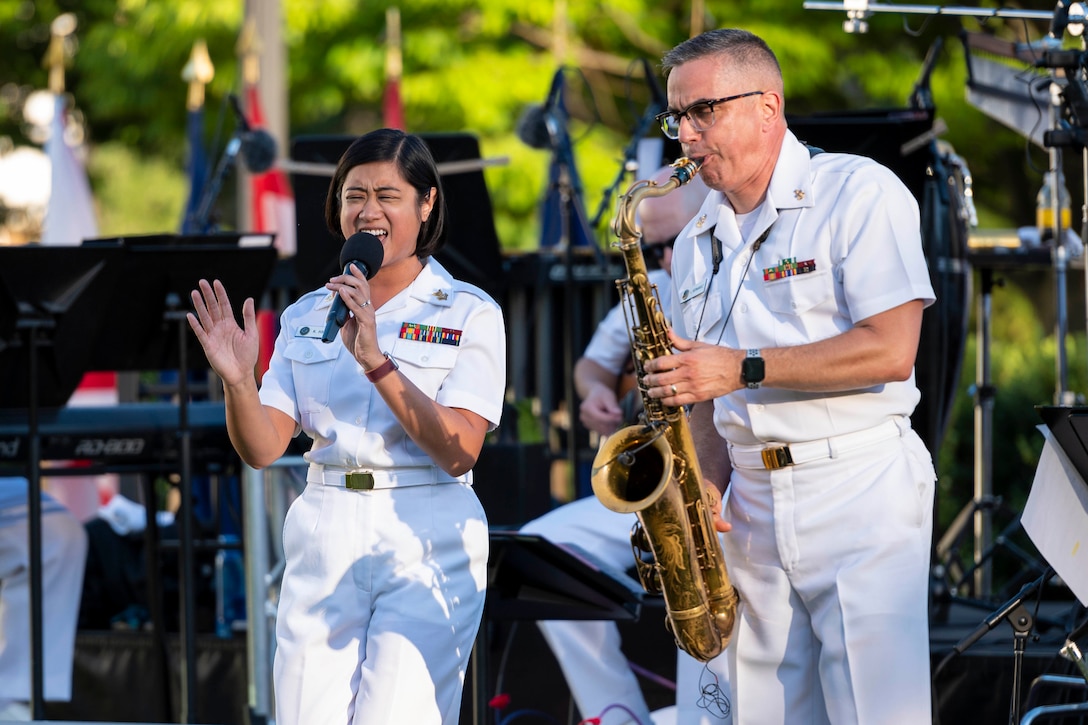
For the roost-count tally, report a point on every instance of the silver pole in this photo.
(257, 563)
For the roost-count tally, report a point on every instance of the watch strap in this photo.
(382, 370)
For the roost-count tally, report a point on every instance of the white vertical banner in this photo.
(69, 215)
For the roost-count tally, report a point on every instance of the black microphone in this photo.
(539, 126)
(258, 145)
(258, 150)
(364, 251)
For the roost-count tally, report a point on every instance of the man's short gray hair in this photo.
(745, 49)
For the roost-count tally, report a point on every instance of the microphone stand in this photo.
(630, 161)
(1022, 622)
(211, 192)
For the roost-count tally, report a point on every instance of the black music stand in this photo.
(50, 297)
(157, 274)
(529, 577)
(1069, 424)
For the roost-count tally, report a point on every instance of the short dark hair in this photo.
(413, 158)
(742, 46)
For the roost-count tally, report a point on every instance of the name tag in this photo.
(307, 331)
(692, 293)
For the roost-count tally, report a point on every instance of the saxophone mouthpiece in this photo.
(686, 169)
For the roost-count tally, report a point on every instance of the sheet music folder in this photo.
(1069, 424)
(529, 577)
(157, 272)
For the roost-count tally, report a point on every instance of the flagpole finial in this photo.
(59, 50)
(198, 72)
(249, 50)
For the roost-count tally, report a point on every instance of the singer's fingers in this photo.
(199, 297)
(222, 301)
(249, 316)
(197, 327)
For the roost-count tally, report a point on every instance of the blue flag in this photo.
(197, 168)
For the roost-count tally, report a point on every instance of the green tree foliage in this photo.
(475, 66)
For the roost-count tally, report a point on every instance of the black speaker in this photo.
(472, 252)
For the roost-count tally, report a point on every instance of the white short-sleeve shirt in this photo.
(448, 338)
(844, 245)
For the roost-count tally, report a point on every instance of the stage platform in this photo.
(119, 675)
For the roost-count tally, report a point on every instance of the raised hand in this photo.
(232, 351)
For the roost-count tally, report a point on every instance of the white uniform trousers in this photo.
(831, 559)
(64, 558)
(590, 653)
(382, 597)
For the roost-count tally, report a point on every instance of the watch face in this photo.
(751, 369)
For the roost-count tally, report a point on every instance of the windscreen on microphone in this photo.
(532, 128)
(258, 150)
(365, 250)
(361, 250)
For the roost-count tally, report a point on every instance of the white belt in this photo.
(368, 480)
(771, 456)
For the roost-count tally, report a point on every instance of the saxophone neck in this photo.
(624, 225)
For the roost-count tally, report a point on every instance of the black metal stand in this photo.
(564, 200)
(159, 273)
(1022, 622)
(530, 578)
(42, 288)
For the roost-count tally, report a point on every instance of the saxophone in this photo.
(652, 471)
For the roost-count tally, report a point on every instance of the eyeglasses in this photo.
(699, 114)
(657, 249)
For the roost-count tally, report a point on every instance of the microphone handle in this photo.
(338, 312)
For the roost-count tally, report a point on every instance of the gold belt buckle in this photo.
(359, 481)
(775, 458)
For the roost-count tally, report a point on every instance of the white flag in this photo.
(69, 215)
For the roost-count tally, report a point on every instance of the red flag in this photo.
(392, 110)
(273, 200)
(273, 211)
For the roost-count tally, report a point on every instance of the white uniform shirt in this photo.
(448, 338)
(610, 346)
(14, 505)
(845, 245)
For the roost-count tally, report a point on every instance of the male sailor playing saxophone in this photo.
(798, 293)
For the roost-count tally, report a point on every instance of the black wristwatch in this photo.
(751, 369)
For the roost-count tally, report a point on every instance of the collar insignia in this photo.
(440, 295)
(799, 194)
